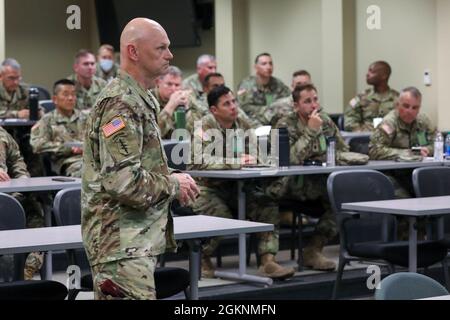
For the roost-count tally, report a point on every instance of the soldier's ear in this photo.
(213, 109)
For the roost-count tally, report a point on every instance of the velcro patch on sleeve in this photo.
(115, 125)
(241, 92)
(386, 128)
(354, 102)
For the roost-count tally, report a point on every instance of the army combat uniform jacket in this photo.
(254, 99)
(126, 185)
(53, 131)
(11, 160)
(10, 105)
(307, 144)
(86, 98)
(394, 139)
(364, 108)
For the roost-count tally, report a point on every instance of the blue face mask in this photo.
(106, 65)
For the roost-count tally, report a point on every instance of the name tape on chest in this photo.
(115, 125)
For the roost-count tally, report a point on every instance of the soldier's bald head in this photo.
(144, 49)
(384, 67)
(137, 30)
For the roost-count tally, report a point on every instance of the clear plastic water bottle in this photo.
(331, 153)
(438, 147)
(447, 145)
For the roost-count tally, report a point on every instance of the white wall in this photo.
(186, 58)
(291, 31)
(407, 40)
(37, 36)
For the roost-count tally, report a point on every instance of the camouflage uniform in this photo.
(393, 140)
(11, 105)
(307, 144)
(194, 112)
(280, 108)
(9, 108)
(107, 76)
(52, 132)
(86, 98)
(254, 99)
(126, 191)
(367, 106)
(193, 82)
(219, 197)
(12, 162)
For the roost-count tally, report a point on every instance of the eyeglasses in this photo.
(12, 78)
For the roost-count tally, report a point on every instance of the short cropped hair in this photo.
(81, 54)
(108, 47)
(413, 91)
(173, 71)
(302, 87)
(301, 73)
(212, 75)
(205, 58)
(216, 93)
(63, 82)
(262, 55)
(10, 62)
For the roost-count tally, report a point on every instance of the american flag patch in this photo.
(112, 127)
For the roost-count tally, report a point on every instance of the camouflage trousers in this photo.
(305, 188)
(126, 279)
(222, 202)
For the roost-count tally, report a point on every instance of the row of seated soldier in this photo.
(49, 147)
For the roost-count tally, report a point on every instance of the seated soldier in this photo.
(256, 93)
(370, 107)
(403, 129)
(62, 125)
(169, 94)
(309, 129)
(14, 103)
(218, 197)
(206, 64)
(106, 66)
(13, 166)
(87, 84)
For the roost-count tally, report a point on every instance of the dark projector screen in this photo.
(176, 16)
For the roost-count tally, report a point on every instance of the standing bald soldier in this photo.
(127, 187)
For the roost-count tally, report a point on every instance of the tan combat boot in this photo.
(287, 218)
(207, 267)
(271, 269)
(313, 257)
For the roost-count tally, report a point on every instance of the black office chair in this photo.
(371, 237)
(408, 286)
(12, 217)
(44, 94)
(434, 182)
(169, 149)
(338, 119)
(359, 144)
(47, 105)
(67, 211)
(33, 290)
